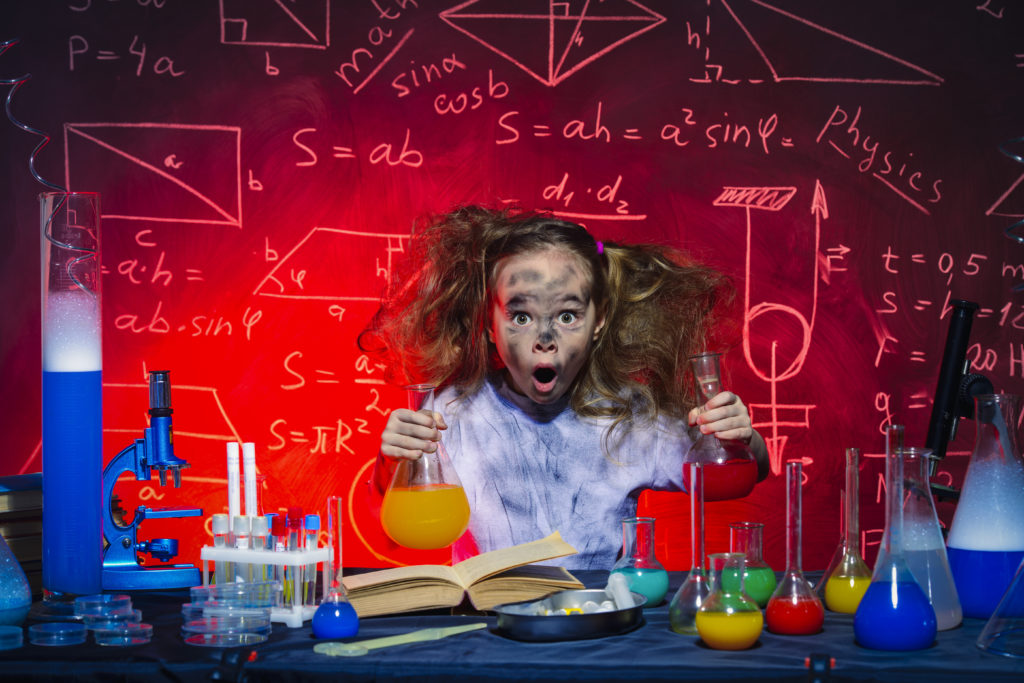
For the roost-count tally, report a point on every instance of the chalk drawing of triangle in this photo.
(552, 40)
(797, 49)
(1011, 203)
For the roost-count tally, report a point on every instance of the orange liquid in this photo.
(725, 631)
(425, 517)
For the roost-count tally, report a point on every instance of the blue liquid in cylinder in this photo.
(73, 482)
(982, 577)
(904, 623)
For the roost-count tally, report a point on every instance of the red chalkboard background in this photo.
(261, 165)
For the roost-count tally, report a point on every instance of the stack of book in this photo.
(21, 524)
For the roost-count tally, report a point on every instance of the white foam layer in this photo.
(990, 514)
(71, 333)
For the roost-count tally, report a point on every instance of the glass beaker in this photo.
(682, 610)
(729, 471)
(758, 579)
(334, 617)
(728, 619)
(794, 609)
(848, 576)
(923, 547)
(425, 506)
(643, 572)
(72, 415)
(986, 539)
(894, 614)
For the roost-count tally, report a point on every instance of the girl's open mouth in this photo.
(544, 379)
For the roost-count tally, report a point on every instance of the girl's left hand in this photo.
(725, 416)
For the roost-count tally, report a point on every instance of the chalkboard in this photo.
(262, 163)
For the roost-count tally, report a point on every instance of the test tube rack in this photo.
(295, 611)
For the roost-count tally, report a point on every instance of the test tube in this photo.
(293, 573)
(249, 463)
(280, 532)
(220, 528)
(260, 537)
(241, 527)
(234, 485)
(309, 577)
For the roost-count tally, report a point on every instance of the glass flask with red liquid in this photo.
(794, 609)
(730, 470)
(895, 613)
(425, 507)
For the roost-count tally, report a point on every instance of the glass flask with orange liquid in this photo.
(847, 577)
(425, 506)
(729, 472)
(729, 619)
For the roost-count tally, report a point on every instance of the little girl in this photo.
(562, 368)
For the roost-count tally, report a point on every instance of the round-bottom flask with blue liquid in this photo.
(335, 618)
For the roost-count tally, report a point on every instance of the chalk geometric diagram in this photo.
(781, 415)
(334, 265)
(1002, 206)
(165, 172)
(276, 23)
(793, 47)
(574, 33)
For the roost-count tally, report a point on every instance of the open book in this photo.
(489, 579)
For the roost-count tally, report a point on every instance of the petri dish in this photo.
(124, 634)
(220, 608)
(102, 605)
(57, 634)
(192, 610)
(225, 639)
(11, 637)
(112, 621)
(225, 625)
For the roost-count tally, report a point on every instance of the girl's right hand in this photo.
(410, 434)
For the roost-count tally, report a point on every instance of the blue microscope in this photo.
(122, 569)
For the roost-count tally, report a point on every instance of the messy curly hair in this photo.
(658, 304)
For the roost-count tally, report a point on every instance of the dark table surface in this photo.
(651, 652)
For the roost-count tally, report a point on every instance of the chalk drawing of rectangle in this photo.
(767, 198)
(306, 23)
(204, 198)
(331, 264)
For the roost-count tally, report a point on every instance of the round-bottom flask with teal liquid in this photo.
(895, 613)
(643, 572)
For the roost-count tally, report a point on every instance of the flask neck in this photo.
(996, 417)
(794, 516)
(638, 539)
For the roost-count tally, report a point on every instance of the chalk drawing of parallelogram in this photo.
(574, 33)
(163, 172)
(331, 264)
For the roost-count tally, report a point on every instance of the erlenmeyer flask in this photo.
(923, 547)
(758, 579)
(643, 572)
(894, 614)
(729, 472)
(334, 617)
(794, 609)
(425, 506)
(728, 619)
(848, 576)
(682, 610)
(15, 596)
(986, 539)
(1004, 632)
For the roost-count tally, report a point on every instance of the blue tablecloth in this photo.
(652, 652)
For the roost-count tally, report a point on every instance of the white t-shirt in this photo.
(531, 469)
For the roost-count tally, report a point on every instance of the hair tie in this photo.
(600, 247)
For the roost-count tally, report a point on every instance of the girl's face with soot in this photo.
(543, 321)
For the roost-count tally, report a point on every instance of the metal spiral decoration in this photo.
(86, 254)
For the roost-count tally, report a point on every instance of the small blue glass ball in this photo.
(335, 620)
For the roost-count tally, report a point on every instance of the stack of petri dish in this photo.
(230, 614)
(11, 637)
(112, 620)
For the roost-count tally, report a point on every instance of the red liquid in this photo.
(800, 617)
(727, 480)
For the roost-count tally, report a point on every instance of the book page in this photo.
(437, 572)
(490, 563)
(530, 582)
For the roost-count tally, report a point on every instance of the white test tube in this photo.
(260, 533)
(220, 529)
(249, 463)
(243, 571)
(234, 485)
